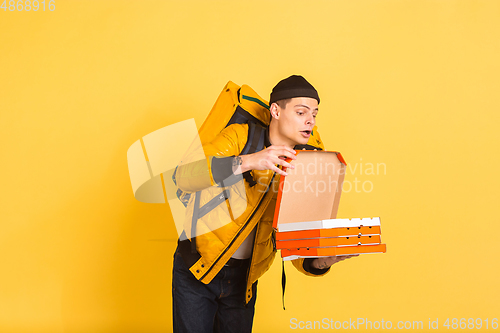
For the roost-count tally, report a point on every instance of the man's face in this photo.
(296, 120)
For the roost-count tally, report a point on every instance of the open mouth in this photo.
(306, 132)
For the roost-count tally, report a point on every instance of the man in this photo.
(215, 274)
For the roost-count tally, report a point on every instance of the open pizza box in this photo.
(306, 210)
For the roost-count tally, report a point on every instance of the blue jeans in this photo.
(215, 307)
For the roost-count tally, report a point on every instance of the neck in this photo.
(275, 137)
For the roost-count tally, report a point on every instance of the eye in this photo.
(300, 113)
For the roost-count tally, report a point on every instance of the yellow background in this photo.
(413, 85)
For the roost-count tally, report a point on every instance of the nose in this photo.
(311, 120)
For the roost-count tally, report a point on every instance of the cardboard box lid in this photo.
(311, 191)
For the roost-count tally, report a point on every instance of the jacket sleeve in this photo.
(217, 164)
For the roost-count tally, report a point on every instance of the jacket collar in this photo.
(267, 142)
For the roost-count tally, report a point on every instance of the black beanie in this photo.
(293, 86)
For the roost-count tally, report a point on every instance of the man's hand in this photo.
(265, 160)
(322, 263)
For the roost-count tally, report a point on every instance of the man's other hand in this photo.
(322, 263)
(266, 159)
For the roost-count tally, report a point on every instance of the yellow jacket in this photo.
(220, 232)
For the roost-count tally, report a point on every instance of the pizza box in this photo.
(328, 241)
(306, 209)
(290, 254)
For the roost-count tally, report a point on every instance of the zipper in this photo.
(241, 230)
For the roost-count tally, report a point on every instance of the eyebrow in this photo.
(305, 106)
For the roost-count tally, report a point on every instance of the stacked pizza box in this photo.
(306, 209)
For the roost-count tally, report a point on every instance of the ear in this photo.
(275, 110)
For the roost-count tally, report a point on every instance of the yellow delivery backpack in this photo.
(235, 105)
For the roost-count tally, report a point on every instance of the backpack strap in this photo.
(194, 220)
(185, 249)
(255, 143)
